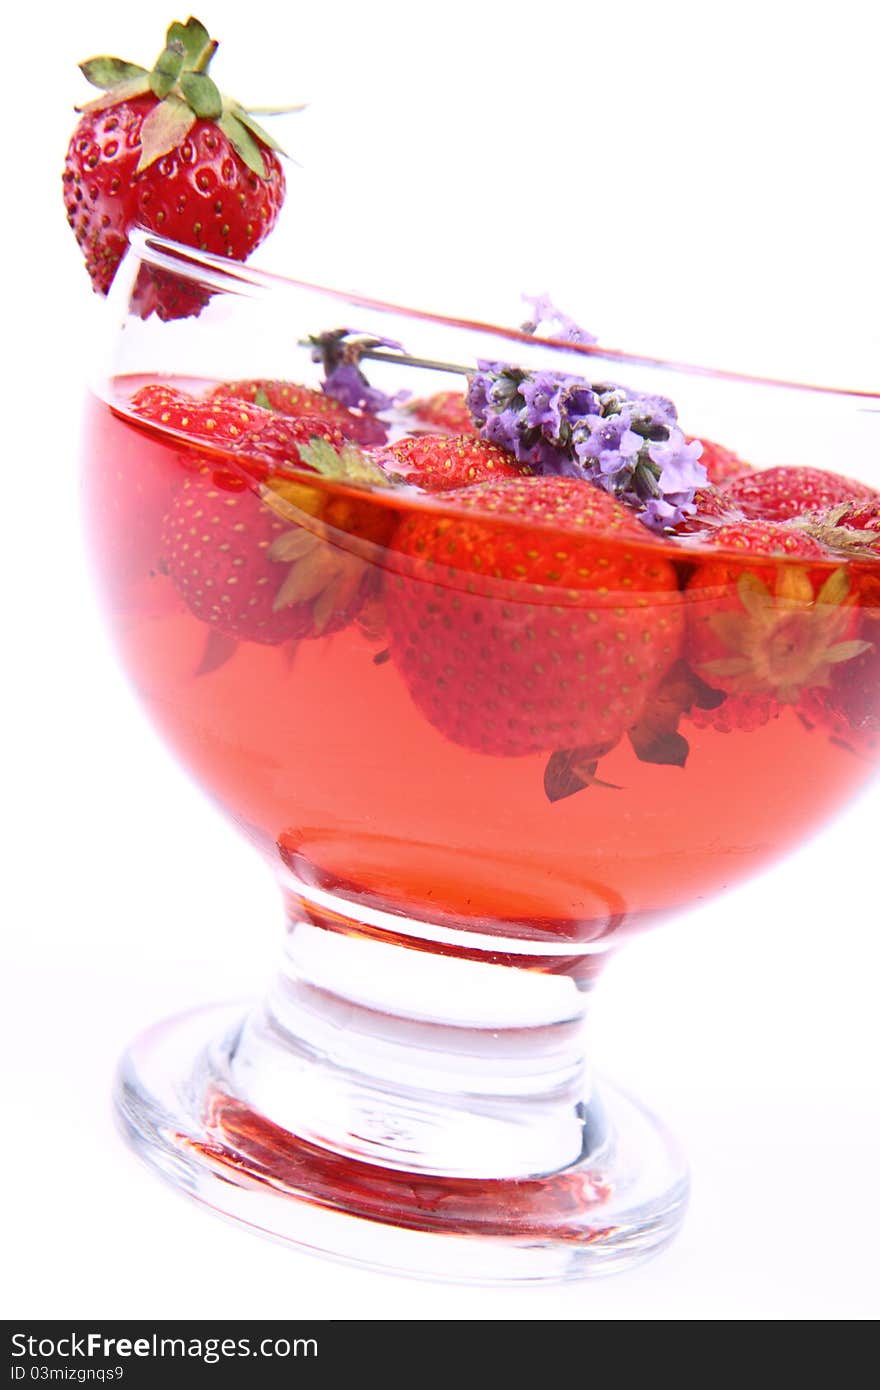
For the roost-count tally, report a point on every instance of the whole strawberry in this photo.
(166, 150)
(255, 549)
(778, 494)
(532, 616)
(215, 545)
(442, 462)
(275, 564)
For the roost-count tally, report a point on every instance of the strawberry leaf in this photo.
(570, 770)
(349, 464)
(167, 69)
(667, 748)
(835, 589)
(202, 95)
(276, 110)
(193, 40)
(655, 739)
(106, 72)
(256, 129)
(164, 128)
(125, 91)
(242, 142)
(218, 649)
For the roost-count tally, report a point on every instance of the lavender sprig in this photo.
(627, 442)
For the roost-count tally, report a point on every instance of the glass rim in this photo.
(222, 273)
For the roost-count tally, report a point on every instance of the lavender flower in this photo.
(340, 352)
(607, 442)
(545, 311)
(680, 469)
(624, 441)
(348, 385)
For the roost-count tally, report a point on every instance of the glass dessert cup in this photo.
(472, 788)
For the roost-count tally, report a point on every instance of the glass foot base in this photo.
(610, 1209)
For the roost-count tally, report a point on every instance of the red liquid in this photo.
(328, 761)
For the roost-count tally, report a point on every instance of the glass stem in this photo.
(418, 1061)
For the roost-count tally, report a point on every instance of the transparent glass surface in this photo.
(472, 785)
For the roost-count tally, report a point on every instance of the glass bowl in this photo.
(478, 754)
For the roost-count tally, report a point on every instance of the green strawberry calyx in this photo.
(787, 641)
(322, 574)
(184, 93)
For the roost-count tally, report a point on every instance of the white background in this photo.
(689, 178)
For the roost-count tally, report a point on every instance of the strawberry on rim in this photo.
(164, 149)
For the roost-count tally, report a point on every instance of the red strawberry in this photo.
(768, 633)
(721, 464)
(531, 616)
(447, 410)
(263, 440)
(249, 571)
(778, 494)
(164, 150)
(287, 398)
(441, 462)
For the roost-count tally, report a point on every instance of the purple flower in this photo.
(678, 462)
(503, 429)
(608, 442)
(340, 352)
(580, 401)
(662, 513)
(657, 409)
(348, 385)
(545, 311)
(541, 393)
(622, 440)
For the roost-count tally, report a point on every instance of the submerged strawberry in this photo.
(523, 620)
(441, 463)
(768, 634)
(215, 546)
(166, 150)
(446, 410)
(288, 398)
(284, 562)
(778, 494)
